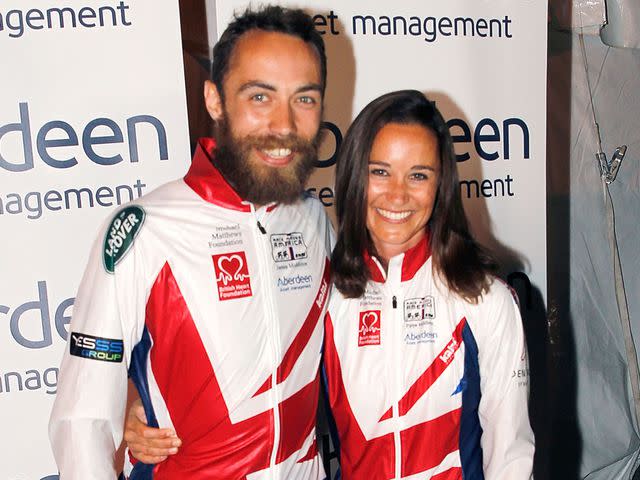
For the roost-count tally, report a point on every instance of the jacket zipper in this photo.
(397, 384)
(274, 333)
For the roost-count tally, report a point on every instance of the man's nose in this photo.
(282, 120)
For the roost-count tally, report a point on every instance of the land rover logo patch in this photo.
(120, 236)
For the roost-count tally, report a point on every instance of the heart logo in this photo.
(230, 267)
(232, 275)
(369, 328)
(369, 323)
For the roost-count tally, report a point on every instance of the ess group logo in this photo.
(96, 348)
(286, 247)
(232, 275)
(369, 328)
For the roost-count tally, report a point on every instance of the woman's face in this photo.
(404, 170)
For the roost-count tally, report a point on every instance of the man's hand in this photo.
(148, 444)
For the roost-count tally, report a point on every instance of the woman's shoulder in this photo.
(499, 291)
(498, 300)
(496, 314)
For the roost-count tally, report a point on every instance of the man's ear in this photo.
(212, 100)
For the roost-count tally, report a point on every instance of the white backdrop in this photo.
(92, 114)
(484, 62)
(92, 87)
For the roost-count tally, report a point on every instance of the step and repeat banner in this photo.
(92, 115)
(484, 63)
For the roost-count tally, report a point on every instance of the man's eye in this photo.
(259, 97)
(307, 100)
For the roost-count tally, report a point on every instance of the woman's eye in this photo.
(378, 171)
(419, 176)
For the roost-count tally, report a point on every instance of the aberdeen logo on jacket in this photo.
(232, 275)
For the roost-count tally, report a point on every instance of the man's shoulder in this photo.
(311, 209)
(309, 204)
(160, 199)
(165, 192)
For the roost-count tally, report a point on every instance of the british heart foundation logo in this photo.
(232, 275)
(369, 330)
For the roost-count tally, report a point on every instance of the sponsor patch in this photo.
(96, 348)
(521, 377)
(226, 236)
(120, 235)
(372, 298)
(419, 309)
(369, 328)
(413, 338)
(449, 351)
(294, 282)
(232, 275)
(322, 293)
(287, 247)
(418, 320)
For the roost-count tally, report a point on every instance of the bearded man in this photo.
(209, 291)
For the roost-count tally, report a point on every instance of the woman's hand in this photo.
(148, 444)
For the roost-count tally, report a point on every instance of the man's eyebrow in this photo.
(309, 87)
(256, 84)
(267, 86)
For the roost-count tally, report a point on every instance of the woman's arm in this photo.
(507, 439)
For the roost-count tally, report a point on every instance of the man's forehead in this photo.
(263, 49)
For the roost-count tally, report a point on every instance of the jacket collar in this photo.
(412, 260)
(207, 181)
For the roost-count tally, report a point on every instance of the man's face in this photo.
(268, 122)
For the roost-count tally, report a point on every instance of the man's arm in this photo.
(86, 423)
(147, 444)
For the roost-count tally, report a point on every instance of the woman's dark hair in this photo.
(270, 18)
(459, 261)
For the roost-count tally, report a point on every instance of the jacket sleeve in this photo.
(86, 424)
(507, 439)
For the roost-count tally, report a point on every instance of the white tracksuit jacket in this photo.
(424, 385)
(215, 310)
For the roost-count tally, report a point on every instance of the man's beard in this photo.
(256, 181)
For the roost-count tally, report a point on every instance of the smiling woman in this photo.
(403, 180)
(397, 179)
(420, 338)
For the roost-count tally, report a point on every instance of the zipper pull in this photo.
(394, 302)
(261, 228)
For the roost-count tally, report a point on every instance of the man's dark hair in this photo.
(460, 262)
(270, 18)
